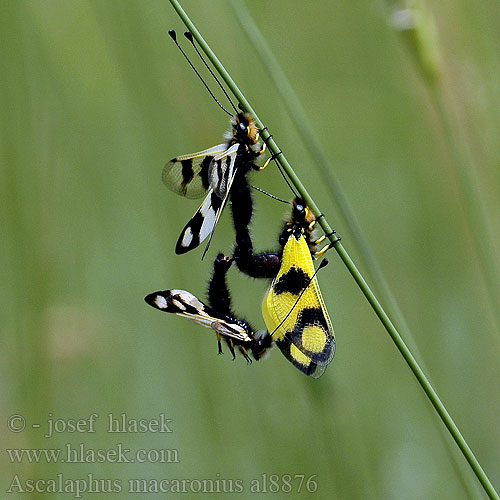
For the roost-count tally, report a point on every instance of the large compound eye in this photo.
(299, 212)
(243, 128)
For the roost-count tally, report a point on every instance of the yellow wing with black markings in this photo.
(295, 313)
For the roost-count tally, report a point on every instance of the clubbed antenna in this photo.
(173, 35)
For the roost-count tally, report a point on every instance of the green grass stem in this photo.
(366, 290)
(300, 120)
(474, 217)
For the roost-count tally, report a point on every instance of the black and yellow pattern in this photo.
(293, 308)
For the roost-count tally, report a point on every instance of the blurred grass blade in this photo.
(415, 23)
(382, 315)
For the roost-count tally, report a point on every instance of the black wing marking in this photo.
(312, 336)
(221, 169)
(295, 313)
(188, 175)
(298, 359)
(185, 304)
(232, 330)
(203, 222)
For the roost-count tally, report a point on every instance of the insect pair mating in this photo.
(293, 308)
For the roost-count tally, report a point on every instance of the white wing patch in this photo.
(203, 222)
(220, 172)
(186, 305)
(161, 302)
(187, 237)
(231, 330)
(209, 213)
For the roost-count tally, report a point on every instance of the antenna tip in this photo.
(189, 36)
(323, 263)
(173, 35)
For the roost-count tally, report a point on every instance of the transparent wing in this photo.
(232, 330)
(185, 304)
(188, 175)
(221, 171)
(182, 303)
(200, 225)
(203, 222)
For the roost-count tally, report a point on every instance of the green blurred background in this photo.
(95, 98)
